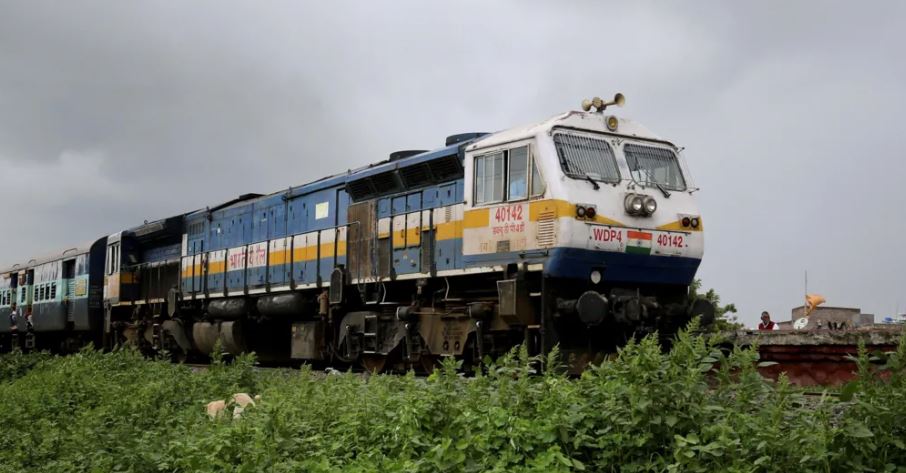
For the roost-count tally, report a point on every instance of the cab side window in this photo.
(517, 174)
(489, 178)
(538, 186)
(508, 175)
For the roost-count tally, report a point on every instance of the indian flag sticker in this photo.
(638, 243)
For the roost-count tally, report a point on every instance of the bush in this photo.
(16, 364)
(692, 409)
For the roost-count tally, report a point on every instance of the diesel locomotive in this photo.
(579, 231)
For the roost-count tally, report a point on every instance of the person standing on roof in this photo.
(766, 322)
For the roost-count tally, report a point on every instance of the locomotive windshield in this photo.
(584, 157)
(656, 167)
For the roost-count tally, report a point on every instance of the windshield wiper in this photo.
(592, 181)
(663, 191)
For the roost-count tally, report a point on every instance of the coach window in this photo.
(81, 265)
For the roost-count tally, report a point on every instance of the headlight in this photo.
(650, 205)
(595, 277)
(634, 204)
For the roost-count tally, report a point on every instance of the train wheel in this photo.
(171, 349)
(429, 363)
(178, 355)
(374, 363)
(70, 345)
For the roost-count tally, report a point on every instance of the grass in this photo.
(692, 409)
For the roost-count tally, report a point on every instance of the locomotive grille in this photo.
(546, 231)
(654, 166)
(583, 155)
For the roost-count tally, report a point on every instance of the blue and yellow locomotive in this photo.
(578, 231)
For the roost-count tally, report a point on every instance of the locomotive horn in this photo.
(599, 104)
(619, 100)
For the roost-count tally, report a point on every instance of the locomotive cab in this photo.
(599, 215)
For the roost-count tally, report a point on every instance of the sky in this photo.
(791, 114)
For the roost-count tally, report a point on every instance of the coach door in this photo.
(279, 257)
(69, 288)
(198, 266)
(406, 230)
(362, 239)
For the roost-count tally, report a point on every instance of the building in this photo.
(837, 318)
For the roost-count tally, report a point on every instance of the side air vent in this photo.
(397, 155)
(433, 168)
(360, 189)
(386, 182)
(454, 139)
(417, 175)
(447, 168)
(546, 231)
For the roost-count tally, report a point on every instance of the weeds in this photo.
(692, 409)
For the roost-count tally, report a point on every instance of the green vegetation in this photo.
(692, 409)
(724, 315)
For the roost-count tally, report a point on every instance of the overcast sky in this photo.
(792, 114)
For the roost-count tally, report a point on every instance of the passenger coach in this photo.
(58, 300)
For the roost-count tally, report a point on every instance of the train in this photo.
(580, 232)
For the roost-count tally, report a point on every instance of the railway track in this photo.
(809, 359)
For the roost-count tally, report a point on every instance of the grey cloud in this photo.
(114, 112)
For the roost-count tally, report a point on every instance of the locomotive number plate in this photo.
(638, 241)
